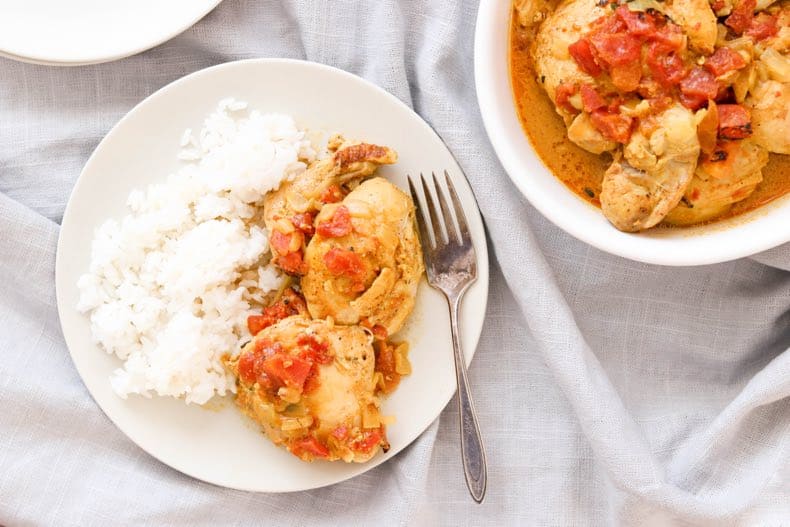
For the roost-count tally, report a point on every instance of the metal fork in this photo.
(451, 267)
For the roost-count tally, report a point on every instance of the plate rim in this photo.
(40, 60)
(643, 247)
(482, 250)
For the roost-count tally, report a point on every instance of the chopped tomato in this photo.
(251, 363)
(368, 440)
(614, 126)
(762, 26)
(290, 371)
(638, 23)
(741, 17)
(563, 93)
(280, 241)
(698, 86)
(332, 194)
(309, 445)
(343, 262)
(724, 60)
(291, 303)
(314, 350)
(292, 263)
(734, 121)
(341, 432)
(616, 49)
(717, 5)
(337, 226)
(666, 68)
(247, 367)
(626, 77)
(608, 24)
(583, 55)
(257, 323)
(304, 222)
(670, 36)
(591, 100)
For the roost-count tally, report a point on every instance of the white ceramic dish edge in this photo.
(67, 312)
(738, 237)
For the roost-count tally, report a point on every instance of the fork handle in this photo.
(472, 453)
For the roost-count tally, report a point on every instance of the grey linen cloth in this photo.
(610, 392)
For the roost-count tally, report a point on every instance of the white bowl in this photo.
(737, 237)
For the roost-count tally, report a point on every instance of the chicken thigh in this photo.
(364, 262)
(289, 211)
(311, 387)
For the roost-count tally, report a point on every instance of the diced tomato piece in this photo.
(563, 93)
(626, 77)
(257, 323)
(251, 363)
(724, 60)
(667, 68)
(608, 24)
(614, 126)
(304, 222)
(344, 262)
(314, 350)
(693, 102)
(670, 36)
(337, 226)
(290, 371)
(280, 241)
(341, 432)
(332, 194)
(247, 367)
(762, 26)
(717, 5)
(368, 440)
(698, 86)
(638, 23)
(581, 51)
(292, 263)
(309, 445)
(591, 100)
(741, 17)
(616, 49)
(734, 121)
(291, 303)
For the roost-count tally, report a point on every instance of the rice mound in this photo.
(171, 284)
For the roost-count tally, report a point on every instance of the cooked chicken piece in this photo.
(698, 22)
(532, 12)
(583, 133)
(288, 211)
(311, 386)
(728, 175)
(553, 62)
(364, 262)
(769, 103)
(660, 161)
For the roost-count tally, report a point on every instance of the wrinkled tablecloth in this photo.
(610, 392)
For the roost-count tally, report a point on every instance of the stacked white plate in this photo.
(78, 32)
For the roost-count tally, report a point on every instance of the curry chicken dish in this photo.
(672, 112)
(321, 357)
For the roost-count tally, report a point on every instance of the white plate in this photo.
(221, 446)
(741, 236)
(75, 32)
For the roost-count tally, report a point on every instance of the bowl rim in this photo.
(723, 241)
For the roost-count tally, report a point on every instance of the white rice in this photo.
(171, 284)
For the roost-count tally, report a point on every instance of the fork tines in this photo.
(451, 227)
